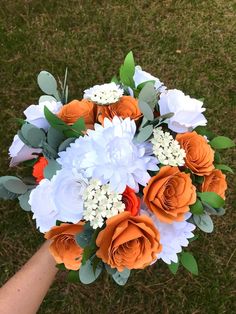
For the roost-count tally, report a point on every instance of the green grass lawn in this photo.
(189, 45)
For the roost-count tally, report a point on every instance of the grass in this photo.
(190, 46)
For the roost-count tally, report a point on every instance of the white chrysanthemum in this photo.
(18, 151)
(58, 199)
(104, 94)
(187, 111)
(109, 154)
(172, 236)
(101, 202)
(166, 149)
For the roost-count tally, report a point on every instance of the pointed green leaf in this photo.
(221, 142)
(212, 199)
(197, 208)
(73, 276)
(173, 267)
(224, 168)
(189, 262)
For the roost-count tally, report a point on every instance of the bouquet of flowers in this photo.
(120, 179)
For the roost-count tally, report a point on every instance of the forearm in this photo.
(24, 292)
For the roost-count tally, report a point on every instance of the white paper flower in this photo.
(58, 199)
(104, 94)
(18, 151)
(109, 154)
(166, 149)
(67, 192)
(172, 236)
(187, 111)
(141, 76)
(43, 206)
(101, 202)
(35, 113)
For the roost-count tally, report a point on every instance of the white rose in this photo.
(35, 113)
(19, 152)
(67, 192)
(187, 111)
(141, 76)
(43, 207)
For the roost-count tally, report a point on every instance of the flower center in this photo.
(120, 151)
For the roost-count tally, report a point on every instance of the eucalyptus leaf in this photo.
(86, 273)
(24, 201)
(146, 110)
(63, 146)
(144, 133)
(148, 95)
(111, 271)
(51, 169)
(83, 238)
(213, 211)
(48, 84)
(121, 277)
(6, 195)
(44, 98)
(13, 184)
(33, 135)
(48, 151)
(55, 137)
(204, 222)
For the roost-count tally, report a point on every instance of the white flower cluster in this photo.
(104, 94)
(166, 149)
(100, 203)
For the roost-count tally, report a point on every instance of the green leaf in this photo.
(212, 199)
(86, 273)
(33, 135)
(51, 169)
(121, 277)
(141, 85)
(54, 137)
(79, 126)
(204, 222)
(148, 95)
(24, 201)
(84, 238)
(127, 71)
(144, 133)
(110, 270)
(48, 151)
(61, 266)
(221, 142)
(197, 208)
(54, 121)
(217, 157)
(224, 168)
(48, 84)
(213, 211)
(146, 110)
(115, 80)
(44, 98)
(5, 194)
(189, 262)
(173, 267)
(13, 184)
(73, 276)
(204, 132)
(63, 146)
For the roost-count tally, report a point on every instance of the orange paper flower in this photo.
(126, 107)
(76, 109)
(169, 194)
(128, 242)
(131, 200)
(63, 247)
(38, 169)
(199, 154)
(215, 182)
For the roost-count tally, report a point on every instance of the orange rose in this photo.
(215, 182)
(128, 242)
(169, 194)
(76, 109)
(63, 247)
(38, 169)
(199, 154)
(126, 107)
(131, 200)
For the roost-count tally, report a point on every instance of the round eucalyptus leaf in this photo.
(146, 110)
(47, 83)
(204, 222)
(144, 133)
(119, 279)
(13, 184)
(44, 98)
(54, 137)
(5, 194)
(51, 169)
(110, 270)
(33, 135)
(63, 146)
(86, 273)
(24, 201)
